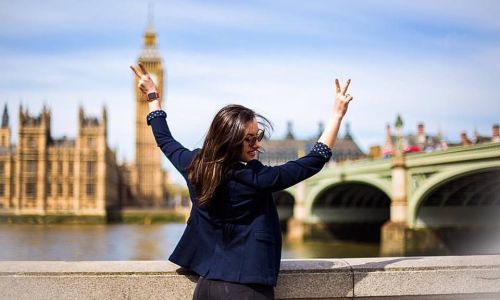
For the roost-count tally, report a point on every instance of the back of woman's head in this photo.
(221, 149)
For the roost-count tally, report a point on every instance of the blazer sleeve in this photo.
(180, 156)
(280, 177)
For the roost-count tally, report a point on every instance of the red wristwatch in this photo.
(153, 96)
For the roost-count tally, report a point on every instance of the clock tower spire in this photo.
(149, 177)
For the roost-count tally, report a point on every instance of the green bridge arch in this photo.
(425, 172)
(439, 179)
(324, 185)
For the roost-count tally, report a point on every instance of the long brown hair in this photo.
(221, 149)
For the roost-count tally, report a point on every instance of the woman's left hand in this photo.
(342, 99)
(146, 83)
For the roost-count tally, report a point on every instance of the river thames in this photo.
(134, 242)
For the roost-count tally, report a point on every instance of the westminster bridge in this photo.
(415, 202)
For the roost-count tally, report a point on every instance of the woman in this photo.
(233, 237)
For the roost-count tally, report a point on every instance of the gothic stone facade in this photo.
(43, 176)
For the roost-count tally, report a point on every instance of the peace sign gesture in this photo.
(342, 99)
(146, 84)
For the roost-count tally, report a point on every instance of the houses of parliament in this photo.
(44, 176)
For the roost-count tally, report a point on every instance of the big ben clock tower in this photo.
(149, 177)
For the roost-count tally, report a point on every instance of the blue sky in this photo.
(432, 61)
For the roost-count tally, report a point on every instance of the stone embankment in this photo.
(437, 277)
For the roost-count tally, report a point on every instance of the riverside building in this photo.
(44, 176)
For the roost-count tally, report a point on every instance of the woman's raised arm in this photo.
(283, 176)
(177, 154)
(342, 100)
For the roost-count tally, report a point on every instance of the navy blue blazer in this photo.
(236, 237)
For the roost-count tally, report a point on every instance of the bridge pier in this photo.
(394, 232)
(295, 226)
(295, 230)
(393, 239)
(399, 239)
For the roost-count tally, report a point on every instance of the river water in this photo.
(134, 242)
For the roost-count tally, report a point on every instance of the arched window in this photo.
(31, 142)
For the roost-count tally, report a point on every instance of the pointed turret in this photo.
(421, 137)
(4, 129)
(321, 128)
(289, 133)
(348, 135)
(388, 148)
(150, 34)
(399, 138)
(5, 117)
(104, 120)
(45, 116)
(21, 115)
(104, 115)
(81, 116)
(150, 49)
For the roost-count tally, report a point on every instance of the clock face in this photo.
(155, 79)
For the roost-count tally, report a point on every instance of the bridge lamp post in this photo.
(399, 205)
(394, 231)
(399, 142)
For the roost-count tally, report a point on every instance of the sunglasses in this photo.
(252, 140)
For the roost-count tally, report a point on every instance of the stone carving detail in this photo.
(418, 179)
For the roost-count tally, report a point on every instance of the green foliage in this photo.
(152, 218)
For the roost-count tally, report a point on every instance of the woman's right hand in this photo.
(147, 86)
(146, 83)
(342, 99)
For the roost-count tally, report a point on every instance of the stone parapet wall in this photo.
(438, 277)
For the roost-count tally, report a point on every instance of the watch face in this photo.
(153, 96)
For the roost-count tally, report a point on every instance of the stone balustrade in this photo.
(433, 277)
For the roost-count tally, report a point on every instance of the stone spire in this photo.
(348, 135)
(388, 148)
(289, 131)
(475, 136)
(150, 33)
(399, 139)
(421, 133)
(104, 120)
(5, 117)
(150, 48)
(321, 128)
